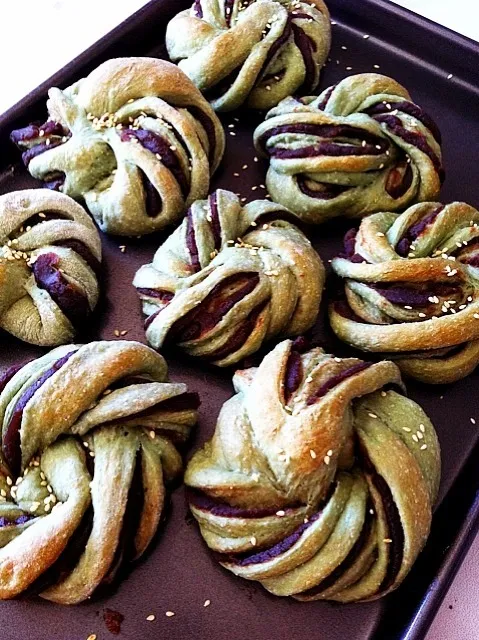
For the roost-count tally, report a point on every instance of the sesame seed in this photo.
(312, 453)
(387, 540)
(255, 477)
(383, 394)
(375, 66)
(449, 76)
(9, 481)
(348, 68)
(232, 133)
(330, 452)
(371, 511)
(473, 420)
(415, 438)
(280, 513)
(207, 603)
(327, 460)
(151, 617)
(422, 428)
(365, 36)
(476, 316)
(3, 493)
(380, 234)
(253, 541)
(92, 636)
(117, 333)
(169, 614)
(422, 315)
(423, 446)
(344, 48)
(406, 306)
(372, 415)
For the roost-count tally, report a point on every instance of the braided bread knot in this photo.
(361, 146)
(88, 443)
(312, 483)
(411, 285)
(230, 278)
(50, 255)
(251, 51)
(135, 139)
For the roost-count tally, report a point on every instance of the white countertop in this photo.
(61, 43)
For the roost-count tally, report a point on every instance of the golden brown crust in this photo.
(316, 476)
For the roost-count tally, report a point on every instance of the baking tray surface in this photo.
(439, 68)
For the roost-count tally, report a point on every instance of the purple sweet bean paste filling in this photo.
(158, 145)
(7, 375)
(411, 109)
(153, 201)
(335, 380)
(326, 148)
(417, 140)
(404, 295)
(54, 181)
(415, 231)
(6, 522)
(306, 47)
(293, 374)
(83, 251)
(11, 435)
(191, 242)
(205, 503)
(228, 7)
(237, 340)
(208, 125)
(221, 299)
(343, 309)
(31, 134)
(348, 561)
(399, 180)
(394, 524)
(150, 319)
(162, 296)
(275, 47)
(284, 545)
(301, 344)
(73, 303)
(198, 9)
(215, 220)
(325, 192)
(326, 96)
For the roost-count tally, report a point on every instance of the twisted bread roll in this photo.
(361, 146)
(251, 51)
(135, 139)
(230, 278)
(50, 255)
(88, 442)
(312, 483)
(411, 284)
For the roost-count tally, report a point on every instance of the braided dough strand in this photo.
(312, 483)
(89, 436)
(230, 278)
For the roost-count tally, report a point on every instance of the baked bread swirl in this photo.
(50, 254)
(318, 482)
(229, 278)
(362, 146)
(135, 139)
(411, 290)
(89, 437)
(253, 52)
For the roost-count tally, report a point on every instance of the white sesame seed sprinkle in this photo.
(312, 453)
(206, 603)
(169, 614)
(151, 617)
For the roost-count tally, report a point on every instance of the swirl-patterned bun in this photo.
(50, 255)
(362, 146)
(135, 139)
(318, 482)
(411, 285)
(89, 438)
(253, 52)
(230, 278)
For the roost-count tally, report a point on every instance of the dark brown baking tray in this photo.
(179, 574)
